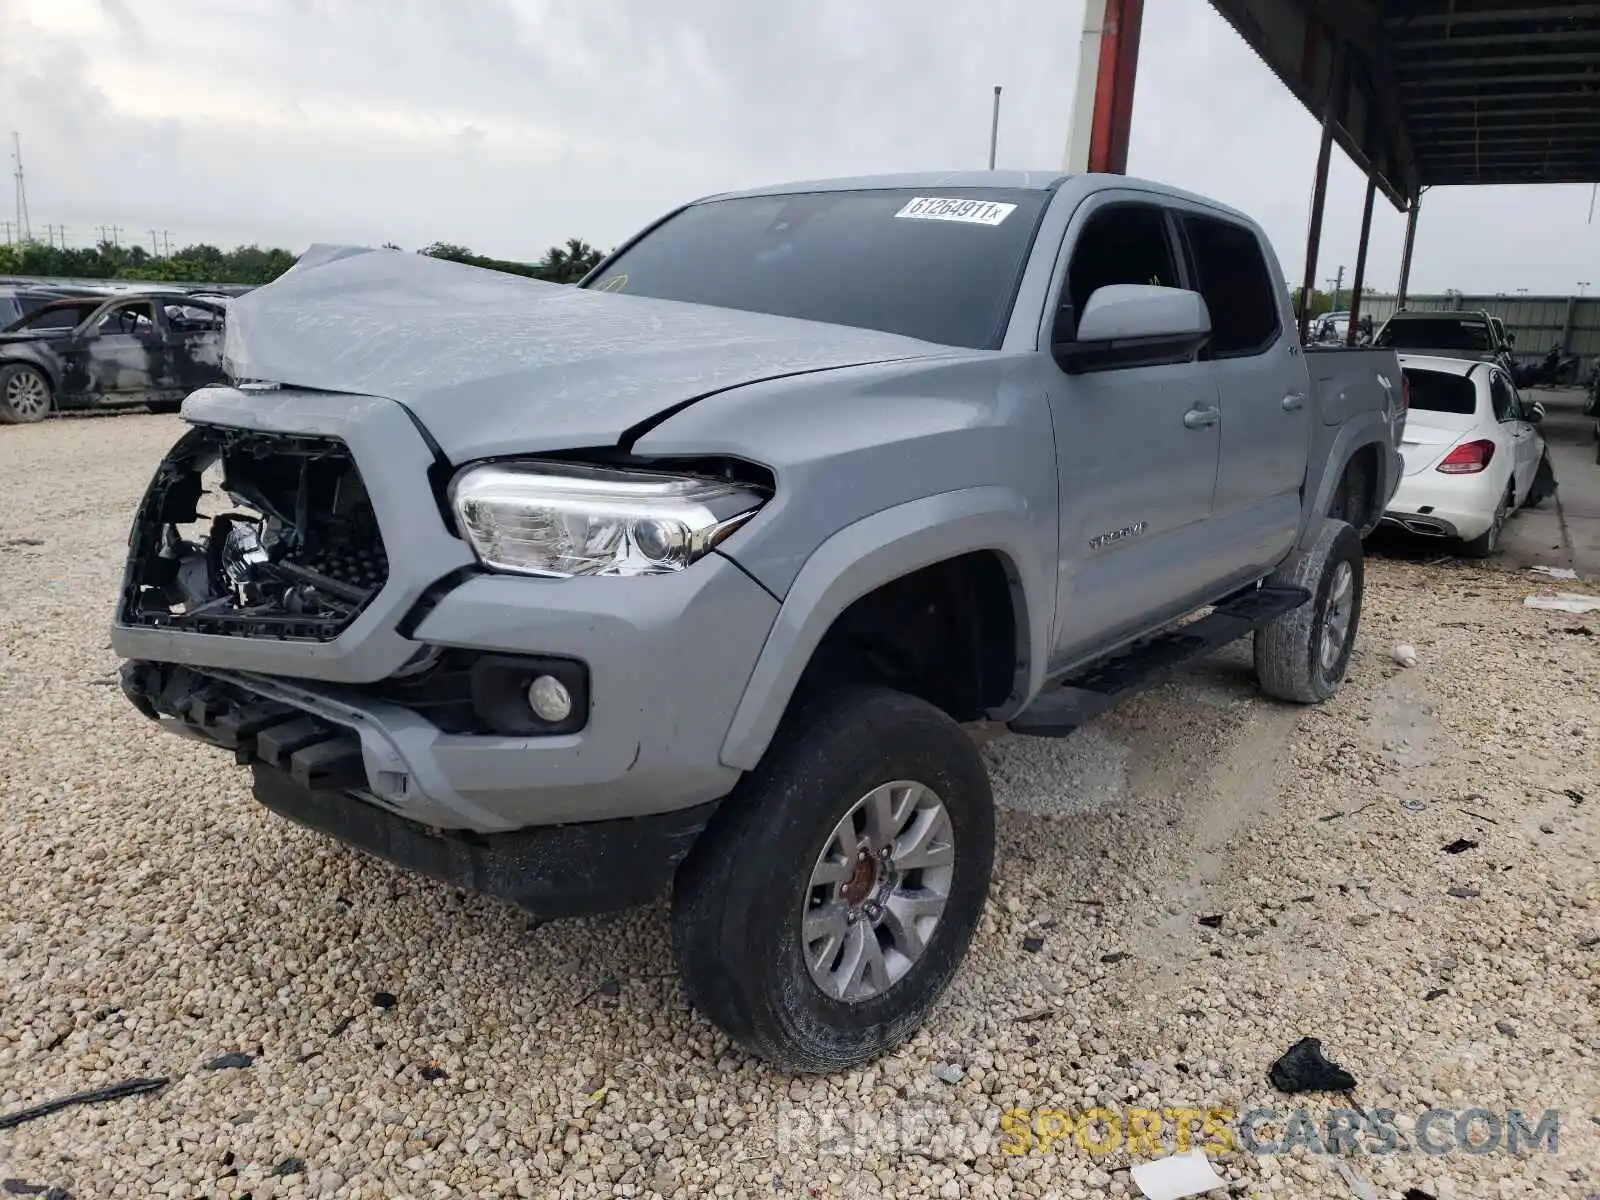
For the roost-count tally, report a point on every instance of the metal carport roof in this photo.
(1441, 92)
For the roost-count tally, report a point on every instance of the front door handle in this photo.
(1200, 418)
(1294, 401)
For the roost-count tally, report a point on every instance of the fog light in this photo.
(549, 699)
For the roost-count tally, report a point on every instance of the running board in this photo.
(1083, 697)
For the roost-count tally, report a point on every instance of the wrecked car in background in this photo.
(146, 348)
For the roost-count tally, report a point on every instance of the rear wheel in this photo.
(25, 394)
(827, 905)
(1488, 542)
(1303, 655)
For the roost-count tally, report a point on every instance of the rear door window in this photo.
(1236, 284)
(1436, 391)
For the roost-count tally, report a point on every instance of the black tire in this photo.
(739, 896)
(1487, 543)
(21, 385)
(1544, 483)
(1289, 649)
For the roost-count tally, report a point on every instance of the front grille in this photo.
(247, 534)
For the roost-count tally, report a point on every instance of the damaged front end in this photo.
(299, 563)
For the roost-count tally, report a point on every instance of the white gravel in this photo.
(154, 919)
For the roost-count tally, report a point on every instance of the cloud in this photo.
(510, 125)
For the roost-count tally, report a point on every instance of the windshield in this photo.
(939, 264)
(1436, 333)
(1435, 391)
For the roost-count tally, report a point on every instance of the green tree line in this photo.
(204, 263)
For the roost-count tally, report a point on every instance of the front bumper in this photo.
(666, 657)
(557, 871)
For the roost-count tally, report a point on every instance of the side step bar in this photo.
(1081, 698)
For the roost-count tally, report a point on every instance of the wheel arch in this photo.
(880, 550)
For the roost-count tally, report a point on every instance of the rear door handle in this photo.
(1294, 401)
(1200, 418)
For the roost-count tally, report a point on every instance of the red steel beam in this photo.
(1113, 91)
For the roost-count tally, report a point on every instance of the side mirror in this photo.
(1511, 338)
(1136, 324)
(1536, 413)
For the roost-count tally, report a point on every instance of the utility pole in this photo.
(1338, 286)
(24, 233)
(1583, 286)
(8, 227)
(994, 127)
(51, 232)
(155, 244)
(166, 243)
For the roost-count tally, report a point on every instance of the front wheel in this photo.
(25, 394)
(825, 908)
(1303, 655)
(1544, 483)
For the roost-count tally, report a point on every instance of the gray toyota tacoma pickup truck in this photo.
(689, 575)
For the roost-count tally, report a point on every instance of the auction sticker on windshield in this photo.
(972, 212)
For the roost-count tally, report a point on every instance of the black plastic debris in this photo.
(227, 1062)
(610, 987)
(117, 1091)
(21, 1187)
(383, 1000)
(1033, 944)
(434, 1073)
(1589, 943)
(1302, 1068)
(289, 1166)
(1463, 893)
(1435, 993)
(1418, 1194)
(1212, 922)
(1115, 956)
(1461, 846)
(1573, 794)
(343, 1024)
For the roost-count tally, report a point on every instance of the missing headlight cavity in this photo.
(254, 535)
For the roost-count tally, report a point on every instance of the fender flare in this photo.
(874, 551)
(1366, 430)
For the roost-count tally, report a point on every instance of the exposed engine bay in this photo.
(288, 548)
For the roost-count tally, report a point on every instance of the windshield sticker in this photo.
(970, 212)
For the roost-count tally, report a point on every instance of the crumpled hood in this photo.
(496, 364)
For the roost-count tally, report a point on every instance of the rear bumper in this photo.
(1454, 506)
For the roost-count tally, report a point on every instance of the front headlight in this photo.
(562, 519)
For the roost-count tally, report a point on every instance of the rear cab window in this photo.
(1442, 332)
(942, 265)
(1232, 274)
(1441, 392)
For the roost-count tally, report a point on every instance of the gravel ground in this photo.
(407, 1040)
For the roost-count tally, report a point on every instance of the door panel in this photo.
(1136, 486)
(1136, 446)
(1261, 376)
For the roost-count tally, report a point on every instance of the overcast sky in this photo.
(508, 125)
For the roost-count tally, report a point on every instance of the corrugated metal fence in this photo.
(1537, 321)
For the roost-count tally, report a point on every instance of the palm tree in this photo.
(569, 263)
